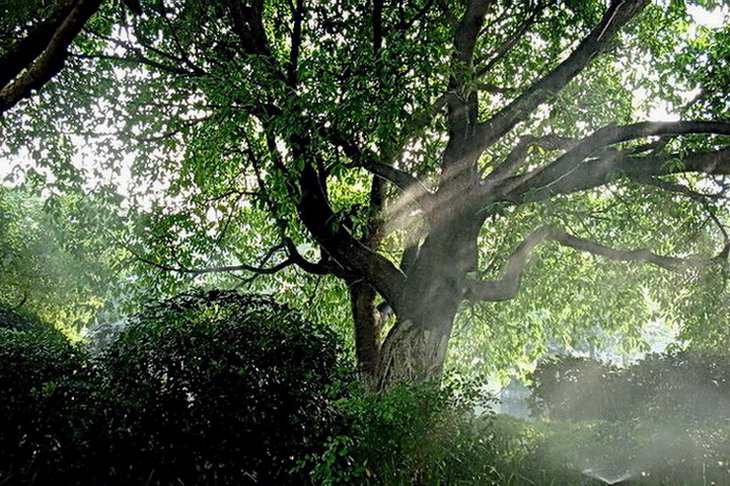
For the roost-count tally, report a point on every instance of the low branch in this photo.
(507, 287)
(641, 255)
(222, 269)
(324, 267)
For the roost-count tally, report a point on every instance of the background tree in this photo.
(419, 151)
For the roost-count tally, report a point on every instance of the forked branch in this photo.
(617, 15)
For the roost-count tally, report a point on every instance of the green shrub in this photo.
(691, 386)
(216, 388)
(410, 435)
(44, 397)
(18, 318)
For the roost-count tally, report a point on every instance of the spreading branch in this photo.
(603, 170)
(617, 15)
(507, 287)
(221, 269)
(515, 159)
(611, 135)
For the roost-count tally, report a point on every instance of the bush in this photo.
(569, 387)
(216, 388)
(687, 385)
(18, 318)
(409, 435)
(44, 393)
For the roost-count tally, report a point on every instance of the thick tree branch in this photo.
(576, 170)
(602, 170)
(323, 267)
(508, 286)
(612, 134)
(643, 255)
(317, 215)
(23, 52)
(27, 67)
(411, 186)
(617, 15)
(296, 42)
(468, 30)
(515, 159)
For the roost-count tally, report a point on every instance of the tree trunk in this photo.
(367, 329)
(412, 354)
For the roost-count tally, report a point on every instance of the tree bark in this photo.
(415, 349)
(413, 353)
(367, 324)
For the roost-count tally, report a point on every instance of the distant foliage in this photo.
(217, 388)
(569, 387)
(689, 385)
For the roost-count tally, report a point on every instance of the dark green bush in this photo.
(216, 388)
(44, 397)
(687, 385)
(18, 318)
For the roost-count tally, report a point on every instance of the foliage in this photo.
(688, 386)
(647, 451)
(19, 319)
(207, 130)
(206, 388)
(571, 387)
(216, 388)
(422, 434)
(56, 258)
(45, 402)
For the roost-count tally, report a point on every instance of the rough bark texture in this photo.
(413, 353)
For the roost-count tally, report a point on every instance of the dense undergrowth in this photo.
(224, 388)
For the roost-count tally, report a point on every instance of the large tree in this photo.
(393, 135)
